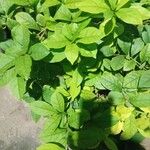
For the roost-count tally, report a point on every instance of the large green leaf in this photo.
(92, 6)
(21, 35)
(130, 15)
(42, 108)
(140, 100)
(25, 19)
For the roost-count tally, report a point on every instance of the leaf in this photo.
(72, 52)
(89, 35)
(125, 46)
(131, 81)
(74, 90)
(51, 125)
(50, 146)
(114, 62)
(57, 101)
(108, 81)
(110, 144)
(18, 87)
(92, 6)
(48, 4)
(5, 62)
(78, 117)
(63, 13)
(21, 35)
(42, 108)
(25, 19)
(23, 66)
(129, 65)
(108, 51)
(145, 53)
(137, 46)
(47, 93)
(144, 81)
(146, 34)
(116, 98)
(56, 41)
(121, 3)
(129, 128)
(59, 136)
(140, 100)
(87, 94)
(38, 51)
(130, 16)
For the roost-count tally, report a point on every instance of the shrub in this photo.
(84, 65)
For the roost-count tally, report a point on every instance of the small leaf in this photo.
(114, 62)
(38, 51)
(47, 93)
(145, 53)
(63, 13)
(129, 65)
(57, 101)
(72, 52)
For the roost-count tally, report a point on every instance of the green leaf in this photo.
(25, 19)
(87, 94)
(38, 51)
(129, 65)
(129, 128)
(114, 62)
(130, 16)
(5, 62)
(23, 66)
(48, 4)
(144, 81)
(137, 46)
(59, 136)
(56, 41)
(145, 53)
(51, 125)
(63, 13)
(78, 117)
(116, 98)
(140, 100)
(108, 51)
(57, 101)
(131, 81)
(92, 6)
(108, 81)
(47, 93)
(90, 35)
(121, 3)
(146, 34)
(74, 90)
(110, 144)
(125, 46)
(72, 52)
(42, 108)
(18, 87)
(50, 146)
(21, 35)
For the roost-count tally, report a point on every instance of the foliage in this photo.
(82, 64)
